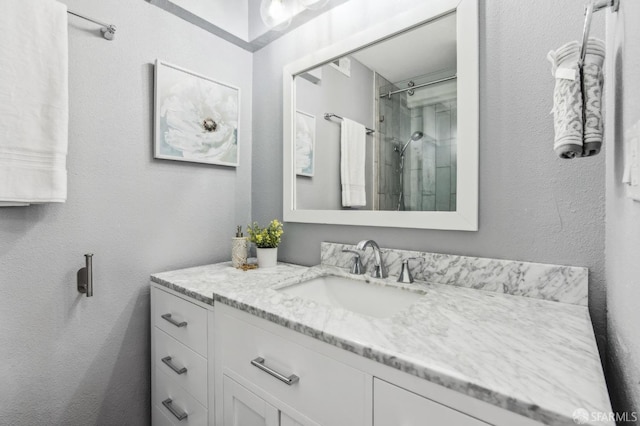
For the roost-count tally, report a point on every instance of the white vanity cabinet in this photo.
(180, 359)
(258, 356)
(393, 405)
(227, 367)
(303, 381)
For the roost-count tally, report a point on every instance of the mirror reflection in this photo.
(376, 130)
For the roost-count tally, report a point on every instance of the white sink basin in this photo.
(357, 296)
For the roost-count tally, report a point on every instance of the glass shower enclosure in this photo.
(416, 143)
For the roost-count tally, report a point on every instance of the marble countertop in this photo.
(530, 356)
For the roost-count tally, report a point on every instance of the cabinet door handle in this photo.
(167, 317)
(167, 361)
(179, 414)
(289, 380)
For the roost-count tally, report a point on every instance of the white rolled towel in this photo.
(567, 100)
(577, 99)
(592, 84)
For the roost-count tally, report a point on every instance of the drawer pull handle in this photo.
(174, 322)
(259, 362)
(179, 414)
(167, 361)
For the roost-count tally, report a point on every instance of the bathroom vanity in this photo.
(257, 352)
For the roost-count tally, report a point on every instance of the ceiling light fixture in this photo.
(277, 14)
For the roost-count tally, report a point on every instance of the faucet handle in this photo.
(356, 265)
(405, 273)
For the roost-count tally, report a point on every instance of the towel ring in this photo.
(593, 6)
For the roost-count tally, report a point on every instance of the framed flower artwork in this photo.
(305, 143)
(196, 118)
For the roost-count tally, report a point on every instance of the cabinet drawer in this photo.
(184, 321)
(158, 418)
(327, 392)
(393, 405)
(179, 400)
(192, 368)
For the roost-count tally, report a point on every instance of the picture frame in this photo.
(305, 143)
(196, 118)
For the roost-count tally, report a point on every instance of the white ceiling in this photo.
(424, 50)
(238, 21)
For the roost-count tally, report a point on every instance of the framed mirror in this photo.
(381, 129)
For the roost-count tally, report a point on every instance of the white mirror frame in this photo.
(465, 218)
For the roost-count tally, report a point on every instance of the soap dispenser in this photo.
(239, 246)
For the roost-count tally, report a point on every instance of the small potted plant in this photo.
(266, 241)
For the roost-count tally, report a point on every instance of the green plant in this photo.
(268, 237)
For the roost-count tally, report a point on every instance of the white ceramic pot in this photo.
(267, 257)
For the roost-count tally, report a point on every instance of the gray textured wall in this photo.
(623, 214)
(70, 360)
(533, 205)
(347, 96)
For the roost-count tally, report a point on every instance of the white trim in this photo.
(465, 218)
(343, 66)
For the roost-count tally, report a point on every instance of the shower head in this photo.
(414, 137)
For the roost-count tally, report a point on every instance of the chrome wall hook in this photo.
(85, 276)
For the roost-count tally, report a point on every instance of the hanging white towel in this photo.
(567, 100)
(577, 99)
(352, 163)
(34, 111)
(592, 85)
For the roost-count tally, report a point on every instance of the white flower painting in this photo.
(196, 117)
(305, 143)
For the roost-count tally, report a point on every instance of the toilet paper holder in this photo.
(85, 276)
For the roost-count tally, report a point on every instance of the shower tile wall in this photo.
(438, 155)
(430, 163)
(393, 127)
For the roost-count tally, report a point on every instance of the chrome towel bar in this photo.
(329, 115)
(108, 30)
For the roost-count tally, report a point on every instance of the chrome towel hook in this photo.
(85, 276)
(589, 10)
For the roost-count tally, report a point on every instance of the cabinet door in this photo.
(394, 406)
(285, 420)
(243, 408)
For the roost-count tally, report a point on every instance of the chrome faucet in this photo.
(379, 271)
